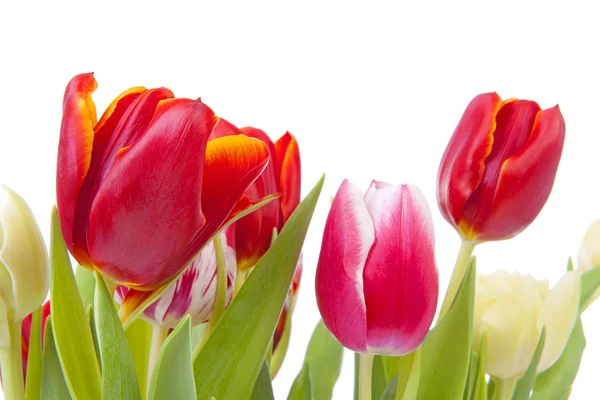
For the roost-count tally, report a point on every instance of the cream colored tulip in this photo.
(589, 253)
(24, 265)
(511, 309)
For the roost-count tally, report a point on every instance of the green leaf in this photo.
(172, 377)
(139, 337)
(525, 384)
(119, 378)
(404, 366)
(447, 348)
(262, 387)
(378, 382)
(53, 382)
(412, 386)
(479, 391)
(356, 374)
(302, 387)
(230, 360)
(34, 359)
(72, 336)
(155, 294)
(472, 376)
(390, 390)
(85, 284)
(590, 281)
(281, 350)
(560, 377)
(324, 357)
(391, 366)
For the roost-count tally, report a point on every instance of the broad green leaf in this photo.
(132, 315)
(378, 382)
(34, 359)
(262, 387)
(479, 391)
(172, 377)
(472, 376)
(85, 284)
(302, 387)
(447, 348)
(53, 381)
(391, 366)
(560, 377)
(412, 386)
(324, 357)
(525, 384)
(139, 337)
(119, 378)
(229, 362)
(72, 336)
(590, 281)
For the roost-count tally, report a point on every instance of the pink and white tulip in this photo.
(377, 282)
(194, 292)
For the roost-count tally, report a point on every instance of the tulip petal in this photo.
(589, 252)
(147, 210)
(224, 128)
(526, 179)
(400, 276)
(462, 166)
(347, 239)
(287, 167)
(74, 150)
(232, 163)
(559, 314)
(4, 333)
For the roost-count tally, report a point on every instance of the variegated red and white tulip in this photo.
(194, 292)
(377, 281)
(142, 190)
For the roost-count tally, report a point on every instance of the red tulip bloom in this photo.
(26, 334)
(142, 190)
(377, 283)
(499, 167)
(254, 232)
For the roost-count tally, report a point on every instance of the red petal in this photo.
(224, 128)
(254, 231)
(347, 239)
(400, 276)
(462, 166)
(74, 152)
(287, 166)
(514, 123)
(148, 208)
(526, 179)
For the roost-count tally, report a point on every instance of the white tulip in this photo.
(24, 264)
(511, 309)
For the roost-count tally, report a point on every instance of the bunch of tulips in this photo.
(187, 231)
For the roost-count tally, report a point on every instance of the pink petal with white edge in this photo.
(400, 275)
(347, 240)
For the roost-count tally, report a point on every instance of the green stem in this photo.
(462, 261)
(504, 389)
(12, 364)
(240, 278)
(220, 293)
(159, 334)
(365, 376)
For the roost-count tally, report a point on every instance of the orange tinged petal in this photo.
(288, 170)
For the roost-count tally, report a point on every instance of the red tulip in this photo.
(26, 333)
(141, 191)
(499, 167)
(282, 176)
(377, 282)
(193, 293)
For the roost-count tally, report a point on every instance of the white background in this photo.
(369, 91)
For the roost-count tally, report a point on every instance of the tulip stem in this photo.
(504, 389)
(11, 362)
(365, 375)
(220, 293)
(159, 334)
(240, 278)
(460, 268)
